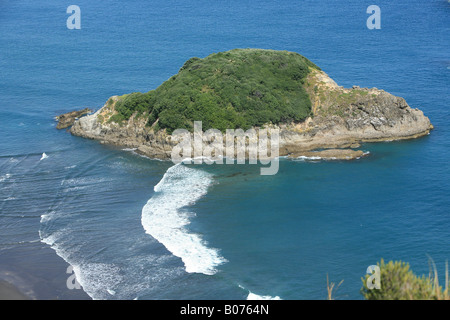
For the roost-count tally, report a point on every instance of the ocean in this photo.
(129, 227)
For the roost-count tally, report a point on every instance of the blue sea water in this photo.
(132, 227)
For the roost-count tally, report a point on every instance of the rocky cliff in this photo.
(345, 117)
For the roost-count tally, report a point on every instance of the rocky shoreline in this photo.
(329, 154)
(341, 119)
(67, 119)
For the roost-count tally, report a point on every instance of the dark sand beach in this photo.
(9, 292)
(33, 271)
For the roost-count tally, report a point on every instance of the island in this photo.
(255, 88)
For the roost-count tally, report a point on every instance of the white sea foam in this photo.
(315, 159)
(165, 218)
(253, 296)
(304, 158)
(4, 177)
(111, 292)
(44, 156)
(364, 154)
(45, 218)
(97, 279)
(51, 239)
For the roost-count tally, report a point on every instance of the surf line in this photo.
(166, 217)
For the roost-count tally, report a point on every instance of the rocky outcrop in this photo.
(133, 134)
(67, 119)
(341, 119)
(329, 154)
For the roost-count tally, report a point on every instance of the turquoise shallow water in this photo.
(95, 207)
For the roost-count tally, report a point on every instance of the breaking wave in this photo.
(254, 296)
(166, 218)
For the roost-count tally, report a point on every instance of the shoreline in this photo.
(42, 276)
(10, 292)
(348, 146)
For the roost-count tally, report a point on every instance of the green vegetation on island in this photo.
(241, 88)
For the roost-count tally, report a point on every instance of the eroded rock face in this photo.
(67, 119)
(341, 118)
(132, 134)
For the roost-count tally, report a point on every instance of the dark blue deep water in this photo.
(88, 206)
